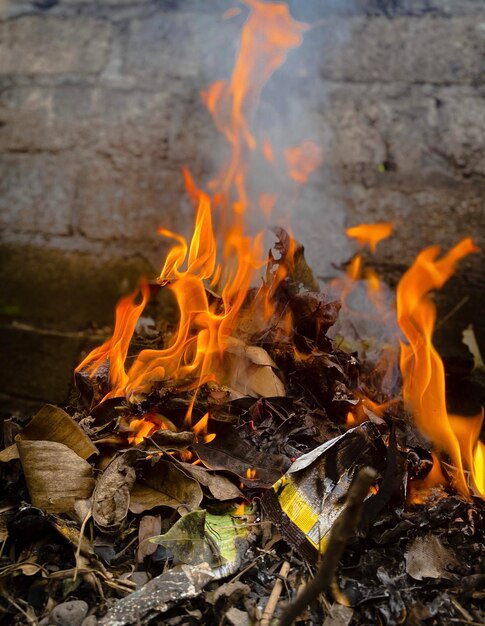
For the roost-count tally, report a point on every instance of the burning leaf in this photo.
(426, 557)
(229, 452)
(165, 485)
(293, 256)
(53, 424)
(56, 476)
(111, 496)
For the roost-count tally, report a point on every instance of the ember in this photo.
(272, 427)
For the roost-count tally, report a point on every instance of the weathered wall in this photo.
(100, 108)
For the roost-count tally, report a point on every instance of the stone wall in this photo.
(100, 108)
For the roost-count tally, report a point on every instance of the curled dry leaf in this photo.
(111, 497)
(251, 371)
(56, 476)
(220, 487)
(53, 424)
(165, 485)
(170, 440)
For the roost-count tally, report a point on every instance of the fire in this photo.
(303, 160)
(422, 368)
(196, 352)
(229, 263)
(370, 234)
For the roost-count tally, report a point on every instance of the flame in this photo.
(239, 511)
(251, 473)
(432, 484)
(370, 234)
(422, 368)
(141, 429)
(267, 202)
(196, 350)
(303, 160)
(115, 349)
(200, 429)
(267, 150)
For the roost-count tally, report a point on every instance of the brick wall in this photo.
(100, 108)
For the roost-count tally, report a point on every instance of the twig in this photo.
(342, 530)
(450, 314)
(80, 542)
(274, 596)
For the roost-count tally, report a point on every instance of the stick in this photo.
(274, 596)
(342, 530)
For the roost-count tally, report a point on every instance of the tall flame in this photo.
(422, 368)
(196, 349)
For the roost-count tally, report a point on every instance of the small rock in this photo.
(235, 617)
(90, 621)
(70, 613)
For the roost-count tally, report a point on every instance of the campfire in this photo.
(245, 424)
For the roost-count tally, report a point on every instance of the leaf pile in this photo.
(99, 524)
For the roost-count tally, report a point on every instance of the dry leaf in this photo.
(53, 424)
(111, 497)
(470, 341)
(56, 476)
(9, 454)
(426, 557)
(250, 371)
(165, 485)
(219, 486)
(150, 526)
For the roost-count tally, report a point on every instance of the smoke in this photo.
(295, 107)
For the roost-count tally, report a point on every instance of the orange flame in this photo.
(421, 489)
(195, 353)
(370, 234)
(267, 150)
(422, 368)
(251, 473)
(303, 160)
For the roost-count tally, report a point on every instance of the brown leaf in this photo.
(9, 454)
(299, 270)
(250, 371)
(170, 440)
(165, 485)
(56, 476)
(426, 557)
(219, 486)
(53, 424)
(150, 526)
(111, 496)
